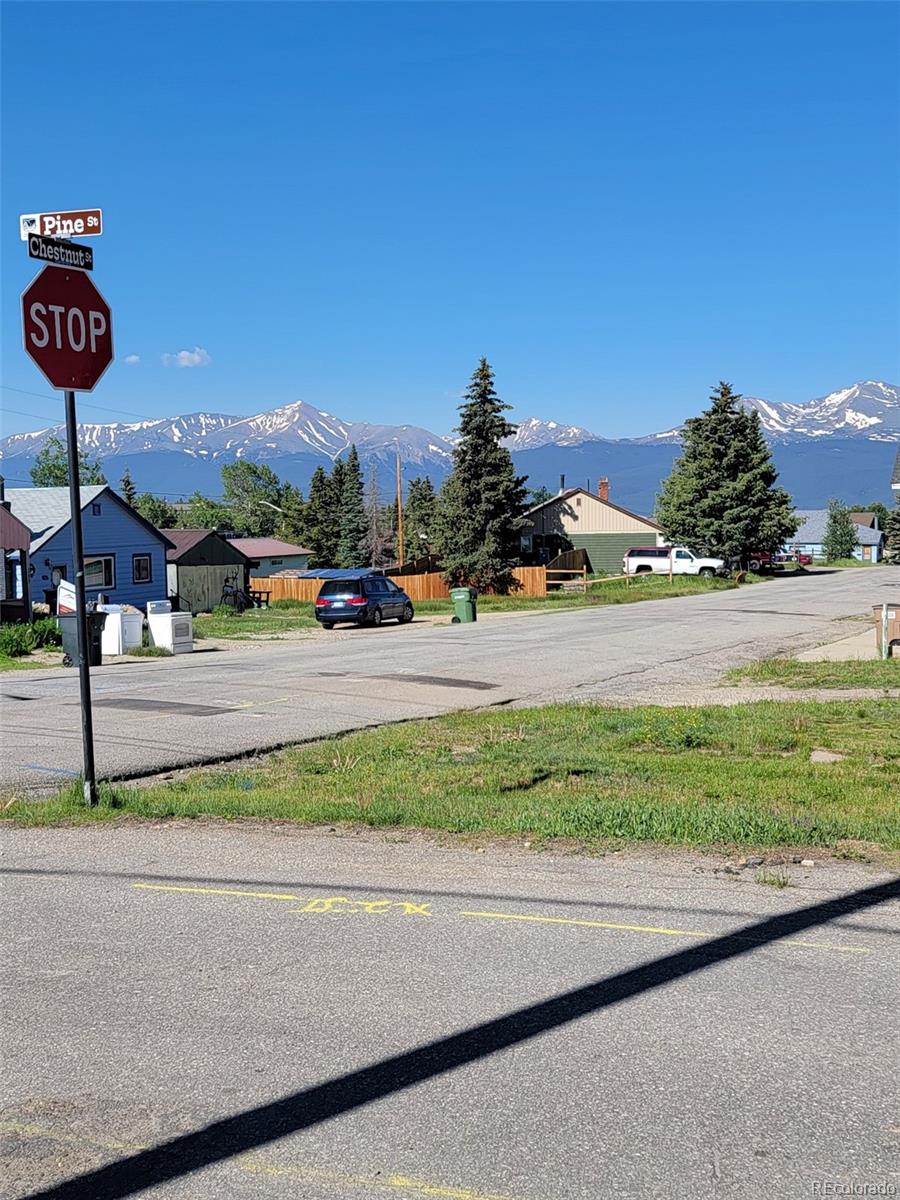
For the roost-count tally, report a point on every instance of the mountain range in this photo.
(840, 444)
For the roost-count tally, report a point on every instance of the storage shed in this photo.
(198, 565)
(580, 520)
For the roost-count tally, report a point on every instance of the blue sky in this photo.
(618, 204)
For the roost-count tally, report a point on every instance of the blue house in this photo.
(810, 537)
(124, 556)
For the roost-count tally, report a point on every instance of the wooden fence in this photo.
(430, 586)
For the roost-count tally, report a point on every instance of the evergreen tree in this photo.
(51, 467)
(476, 532)
(321, 527)
(721, 498)
(892, 530)
(419, 516)
(293, 514)
(158, 511)
(352, 524)
(127, 490)
(840, 532)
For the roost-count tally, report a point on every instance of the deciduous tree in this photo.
(840, 532)
(51, 467)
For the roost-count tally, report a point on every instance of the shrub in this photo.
(16, 640)
(46, 633)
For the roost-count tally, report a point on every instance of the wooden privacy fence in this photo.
(430, 586)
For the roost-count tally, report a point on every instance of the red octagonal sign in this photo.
(67, 327)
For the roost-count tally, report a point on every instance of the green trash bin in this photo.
(68, 627)
(465, 605)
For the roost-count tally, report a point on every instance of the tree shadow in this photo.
(266, 1123)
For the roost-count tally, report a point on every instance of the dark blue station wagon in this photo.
(368, 600)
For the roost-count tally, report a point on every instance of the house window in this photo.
(95, 510)
(100, 571)
(141, 569)
(276, 562)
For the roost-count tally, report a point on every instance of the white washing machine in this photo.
(122, 630)
(172, 631)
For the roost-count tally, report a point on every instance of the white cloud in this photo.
(131, 359)
(197, 357)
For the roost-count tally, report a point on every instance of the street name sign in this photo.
(64, 254)
(67, 328)
(83, 222)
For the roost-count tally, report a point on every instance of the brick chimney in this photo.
(603, 488)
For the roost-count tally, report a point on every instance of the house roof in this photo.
(46, 510)
(184, 540)
(895, 478)
(14, 534)
(577, 491)
(869, 519)
(266, 547)
(812, 530)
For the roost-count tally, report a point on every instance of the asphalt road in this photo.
(153, 714)
(220, 1013)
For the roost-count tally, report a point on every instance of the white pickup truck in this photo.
(645, 560)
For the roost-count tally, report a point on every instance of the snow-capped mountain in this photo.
(869, 410)
(844, 436)
(293, 429)
(532, 432)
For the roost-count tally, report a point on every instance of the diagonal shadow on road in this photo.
(266, 1123)
(333, 886)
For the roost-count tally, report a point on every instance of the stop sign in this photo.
(67, 328)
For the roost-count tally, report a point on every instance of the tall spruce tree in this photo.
(321, 520)
(840, 532)
(352, 525)
(127, 490)
(721, 497)
(419, 516)
(481, 503)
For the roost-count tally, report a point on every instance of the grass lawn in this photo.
(30, 662)
(712, 776)
(862, 673)
(284, 616)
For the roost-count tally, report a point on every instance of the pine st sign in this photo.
(67, 328)
(84, 222)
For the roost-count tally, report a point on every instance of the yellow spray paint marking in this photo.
(206, 891)
(255, 1164)
(695, 933)
(406, 1184)
(322, 904)
(344, 904)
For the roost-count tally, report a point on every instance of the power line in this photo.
(81, 404)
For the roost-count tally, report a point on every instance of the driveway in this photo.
(230, 1013)
(162, 713)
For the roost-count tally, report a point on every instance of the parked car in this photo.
(763, 560)
(644, 560)
(366, 600)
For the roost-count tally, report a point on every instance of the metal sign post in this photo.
(67, 332)
(81, 620)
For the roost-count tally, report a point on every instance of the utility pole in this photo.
(81, 621)
(399, 513)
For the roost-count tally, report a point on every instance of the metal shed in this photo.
(198, 565)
